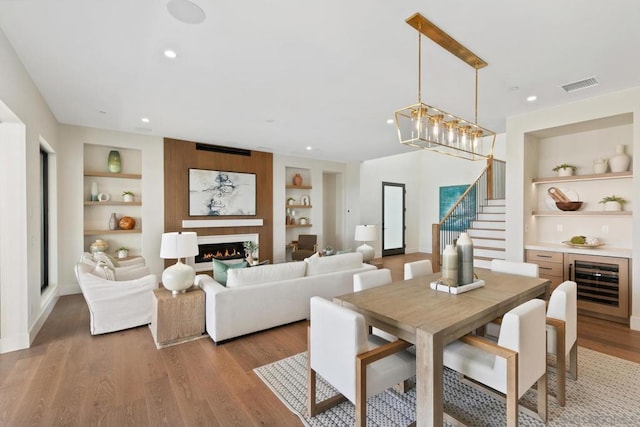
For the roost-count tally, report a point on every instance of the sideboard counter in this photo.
(601, 251)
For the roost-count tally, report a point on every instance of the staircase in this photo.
(488, 233)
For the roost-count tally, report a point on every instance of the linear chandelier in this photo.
(423, 126)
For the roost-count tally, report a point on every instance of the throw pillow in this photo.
(106, 258)
(220, 270)
(104, 271)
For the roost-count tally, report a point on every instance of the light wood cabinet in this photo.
(603, 281)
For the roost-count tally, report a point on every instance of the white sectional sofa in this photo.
(262, 297)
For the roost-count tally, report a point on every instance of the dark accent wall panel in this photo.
(180, 156)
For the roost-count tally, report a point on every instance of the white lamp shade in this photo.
(365, 233)
(179, 245)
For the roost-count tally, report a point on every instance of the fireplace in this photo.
(225, 248)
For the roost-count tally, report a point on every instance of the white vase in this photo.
(565, 172)
(620, 162)
(464, 247)
(128, 198)
(600, 166)
(612, 206)
(450, 265)
(94, 191)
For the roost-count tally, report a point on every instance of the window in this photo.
(44, 219)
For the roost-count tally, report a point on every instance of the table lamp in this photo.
(178, 277)
(366, 233)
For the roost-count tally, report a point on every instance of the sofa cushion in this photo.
(266, 274)
(330, 264)
(220, 270)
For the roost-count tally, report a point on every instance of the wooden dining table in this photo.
(431, 319)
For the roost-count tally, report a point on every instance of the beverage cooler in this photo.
(603, 285)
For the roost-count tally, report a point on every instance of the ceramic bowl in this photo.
(569, 206)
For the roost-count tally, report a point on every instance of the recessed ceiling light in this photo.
(144, 120)
(309, 148)
(186, 11)
(102, 112)
(170, 54)
(390, 121)
(531, 98)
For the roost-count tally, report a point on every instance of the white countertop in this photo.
(600, 251)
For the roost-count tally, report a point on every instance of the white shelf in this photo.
(582, 213)
(574, 178)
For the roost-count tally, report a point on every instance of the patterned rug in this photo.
(607, 393)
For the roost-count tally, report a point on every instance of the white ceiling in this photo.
(281, 75)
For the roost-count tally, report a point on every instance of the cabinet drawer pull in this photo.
(544, 268)
(543, 256)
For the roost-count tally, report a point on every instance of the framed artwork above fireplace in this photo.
(221, 193)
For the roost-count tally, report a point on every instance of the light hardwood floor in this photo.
(71, 378)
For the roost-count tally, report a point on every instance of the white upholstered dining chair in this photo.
(356, 363)
(562, 333)
(520, 268)
(513, 364)
(372, 279)
(417, 268)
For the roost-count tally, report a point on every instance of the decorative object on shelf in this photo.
(127, 223)
(565, 169)
(128, 196)
(450, 264)
(178, 277)
(613, 203)
(423, 126)
(113, 221)
(600, 166)
(221, 193)
(558, 194)
(620, 162)
(464, 247)
(250, 248)
(305, 200)
(297, 180)
(328, 251)
(98, 246)
(366, 233)
(122, 252)
(114, 162)
(291, 201)
(568, 206)
(304, 220)
(94, 191)
(104, 197)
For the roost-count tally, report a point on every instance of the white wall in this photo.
(520, 172)
(71, 161)
(21, 266)
(423, 172)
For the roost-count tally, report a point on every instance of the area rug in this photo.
(607, 393)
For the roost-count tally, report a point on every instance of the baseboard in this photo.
(634, 323)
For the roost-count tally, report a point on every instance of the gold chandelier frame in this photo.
(427, 127)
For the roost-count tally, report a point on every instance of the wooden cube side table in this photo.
(177, 319)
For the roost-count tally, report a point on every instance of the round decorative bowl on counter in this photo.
(568, 206)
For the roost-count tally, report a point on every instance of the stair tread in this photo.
(491, 238)
(490, 248)
(491, 229)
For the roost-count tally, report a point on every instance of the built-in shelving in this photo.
(111, 203)
(299, 206)
(298, 187)
(101, 232)
(297, 225)
(113, 175)
(592, 177)
(581, 213)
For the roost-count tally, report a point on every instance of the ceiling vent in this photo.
(582, 84)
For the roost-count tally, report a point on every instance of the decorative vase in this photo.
(565, 172)
(612, 206)
(114, 162)
(94, 191)
(113, 222)
(126, 223)
(464, 247)
(600, 165)
(620, 162)
(450, 265)
(297, 179)
(98, 246)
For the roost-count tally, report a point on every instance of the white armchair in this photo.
(417, 268)
(359, 365)
(512, 365)
(562, 333)
(116, 305)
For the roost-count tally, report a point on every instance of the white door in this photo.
(393, 218)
